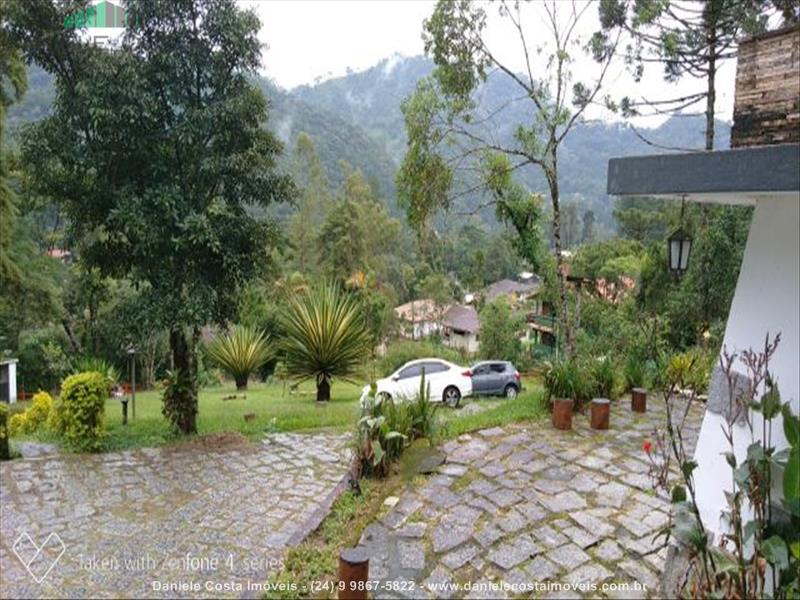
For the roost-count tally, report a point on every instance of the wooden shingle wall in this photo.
(767, 105)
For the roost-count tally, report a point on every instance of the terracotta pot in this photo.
(639, 400)
(562, 413)
(601, 409)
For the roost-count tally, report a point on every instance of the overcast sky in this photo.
(309, 40)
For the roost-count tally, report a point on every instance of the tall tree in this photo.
(12, 86)
(358, 233)
(691, 39)
(313, 204)
(442, 113)
(154, 149)
(499, 329)
(641, 219)
(588, 226)
(687, 38)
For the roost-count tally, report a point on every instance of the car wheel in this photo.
(451, 396)
(511, 391)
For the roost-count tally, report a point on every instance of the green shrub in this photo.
(565, 379)
(398, 418)
(634, 372)
(604, 379)
(423, 412)
(35, 417)
(387, 426)
(686, 370)
(42, 358)
(39, 412)
(5, 452)
(499, 327)
(17, 423)
(377, 445)
(55, 422)
(399, 353)
(83, 401)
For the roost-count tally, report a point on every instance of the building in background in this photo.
(419, 318)
(461, 327)
(8, 380)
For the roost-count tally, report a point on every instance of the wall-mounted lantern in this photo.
(679, 247)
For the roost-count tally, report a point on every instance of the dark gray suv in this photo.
(495, 378)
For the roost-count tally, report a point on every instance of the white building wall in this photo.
(12, 383)
(767, 300)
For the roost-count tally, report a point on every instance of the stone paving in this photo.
(524, 506)
(213, 517)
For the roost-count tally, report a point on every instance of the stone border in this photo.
(309, 526)
(318, 516)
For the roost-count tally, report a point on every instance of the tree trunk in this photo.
(149, 366)
(180, 399)
(241, 382)
(73, 342)
(705, 210)
(563, 317)
(323, 389)
(711, 96)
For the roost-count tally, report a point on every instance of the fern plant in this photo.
(240, 352)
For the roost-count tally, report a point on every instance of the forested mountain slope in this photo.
(357, 119)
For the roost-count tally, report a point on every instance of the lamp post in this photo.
(132, 358)
(679, 246)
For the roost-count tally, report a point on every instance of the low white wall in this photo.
(767, 300)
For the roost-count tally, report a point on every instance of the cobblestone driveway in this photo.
(526, 506)
(213, 515)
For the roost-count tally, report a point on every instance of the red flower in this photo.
(647, 446)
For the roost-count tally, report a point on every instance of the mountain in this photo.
(337, 139)
(357, 118)
(372, 99)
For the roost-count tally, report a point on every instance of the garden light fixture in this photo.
(132, 357)
(679, 246)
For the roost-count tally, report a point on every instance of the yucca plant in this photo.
(324, 337)
(240, 352)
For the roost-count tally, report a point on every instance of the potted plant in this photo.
(565, 387)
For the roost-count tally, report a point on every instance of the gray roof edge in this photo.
(773, 168)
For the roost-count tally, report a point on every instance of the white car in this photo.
(448, 382)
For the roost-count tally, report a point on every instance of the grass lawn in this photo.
(274, 410)
(529, 405)
(278, 410)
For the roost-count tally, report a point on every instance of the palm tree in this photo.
(240, 352)
(325, 337)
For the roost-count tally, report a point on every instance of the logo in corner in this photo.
(39, 560)
(101, 15)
